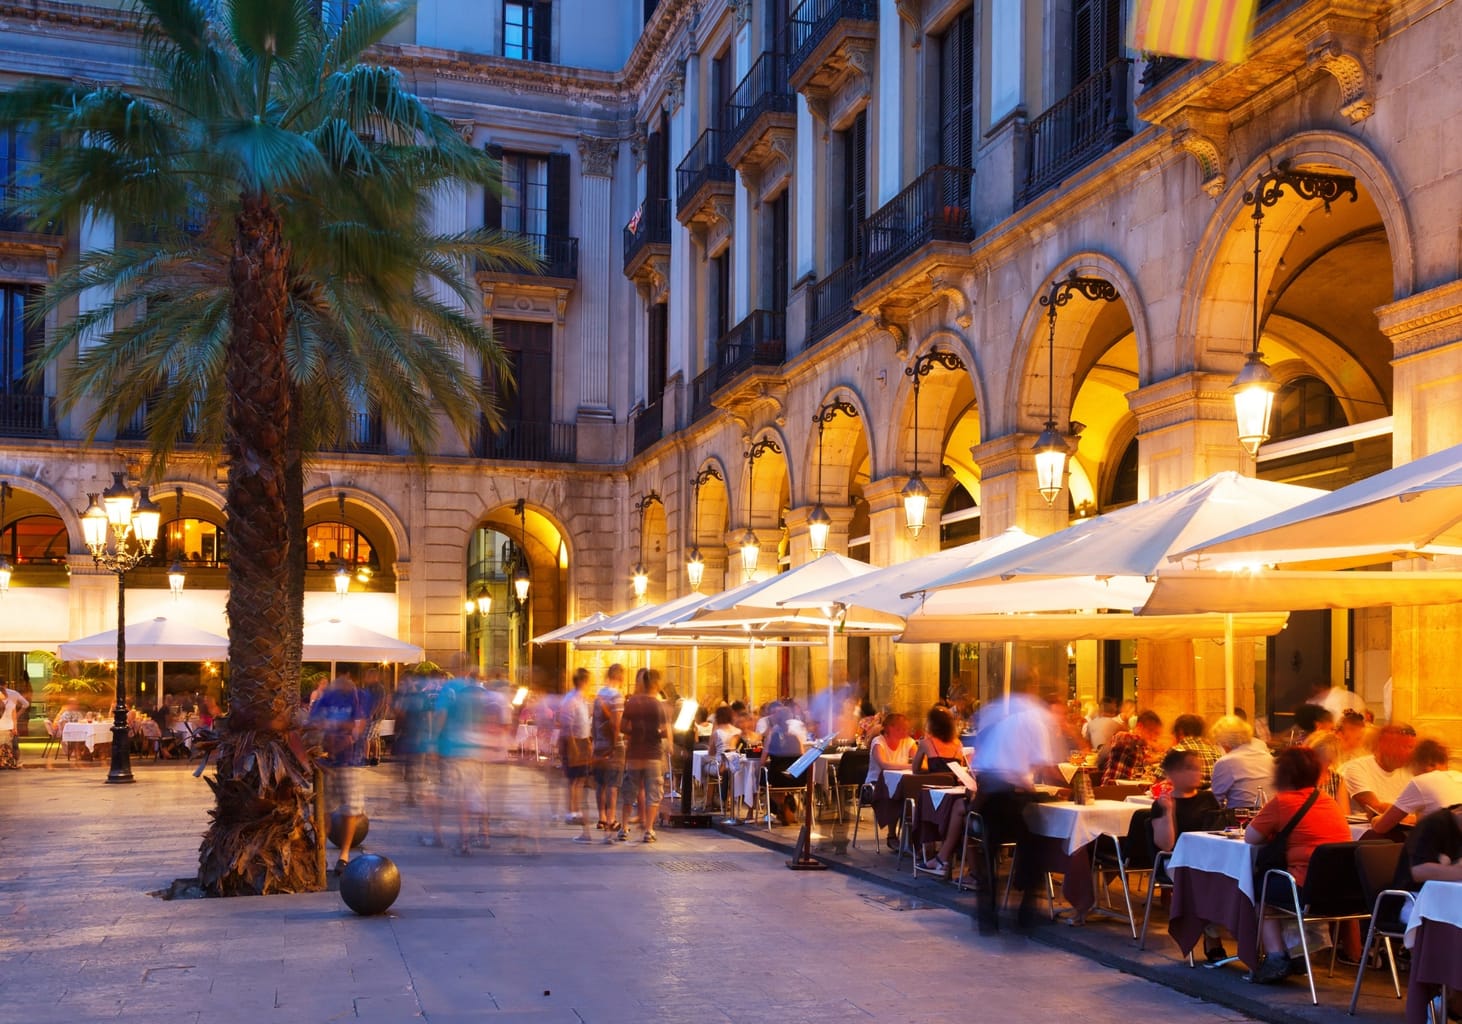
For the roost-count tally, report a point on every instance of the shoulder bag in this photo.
(1274, 855)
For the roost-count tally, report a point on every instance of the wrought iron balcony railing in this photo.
(559, 255)
(649, 424)
(763, 91)
(759, 340)
(361, 432)
(529, 441)
(27, 415)
(1090, 121)
(649, 226)
(701, 390)
(934, 208)
(830, 302)
(815, 20)
(705, 163)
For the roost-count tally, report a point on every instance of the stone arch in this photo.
(846, 440)
(1026, 395)
(56, 504)
(1213, 329)
(712, 511)
(943, 397)
(375, 506)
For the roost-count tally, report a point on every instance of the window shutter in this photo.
(858, 183)
(558, 194)
(543, 31)
(492, 200)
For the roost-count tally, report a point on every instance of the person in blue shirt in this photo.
(341, 719)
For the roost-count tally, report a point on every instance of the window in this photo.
(22, 338)
(535, 194)
(192, 542)
(527, 28)
(334, 12)
(657, 352)
(1305, 405)
(721, 294)
(330, 543)
(957, 93)
(528, 346)
(781, 252)
(1124, 479)
(35, 540)
(855, 184)
(1096, 33)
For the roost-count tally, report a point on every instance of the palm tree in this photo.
(282, 183)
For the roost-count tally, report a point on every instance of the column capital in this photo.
(597, 155)
(1009, 494)
(887, 492)
(1427, 320)
(1183, 398)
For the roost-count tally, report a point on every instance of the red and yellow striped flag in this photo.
(1205, 29)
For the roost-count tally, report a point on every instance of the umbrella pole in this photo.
(332, 671)
(159, 684)
(1228, 664)
(1009, 657)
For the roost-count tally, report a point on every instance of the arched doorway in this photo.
(507, 547)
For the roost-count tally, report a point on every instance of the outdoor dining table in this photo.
(936, 804)
(1434, 937)
(93, 734)
(1213, 882)
(745, 776)
(1066, 833)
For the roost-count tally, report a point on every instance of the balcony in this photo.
(830, 302)
(361, 432)
(649, 425)
(934, 208)
(1157, 67)
(11, 219)
(1092, 120)
(759, 340)
(704, 185)
(529, 441)
(762, 122)
(647, 246)
(136, 428)
(26, 415)
(829, 40)
(559, 256)
(701, 391)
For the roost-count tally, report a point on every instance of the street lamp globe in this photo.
(117, 503)
(342, 581)
(916, 502)
(176, 578)
(521, 581)
(1253, 392)
(819, 525)
(94, 525)
(750, 552)
(1051, 452)
(5, 570)
(695, 569)
(640, 580)
(146, 519)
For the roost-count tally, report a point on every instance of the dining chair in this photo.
(1122, 857)
(53, 740)
(1376, 864)
(776, 780)
(847, 775)
(864, 799)
(974, 842)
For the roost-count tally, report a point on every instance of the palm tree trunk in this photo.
(261, 839)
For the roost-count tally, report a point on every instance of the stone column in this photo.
(758, 669)
(596, 174)
(449, 216)
(683, 263)
(804, 194)
(1426, 338)
(905, 676)
(97, 234)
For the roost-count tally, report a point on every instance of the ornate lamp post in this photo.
(750, 548)
(1254, 388)
(521, 579)
(5, 567)
(916, 491)
(639, 575)
(120, 531)
(176, 576)
(1051, 448)
(819, 523)
(695, 565)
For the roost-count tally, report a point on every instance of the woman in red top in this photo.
(1296, 773)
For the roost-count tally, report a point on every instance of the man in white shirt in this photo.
(1104, 725)
(1014, 745)
(1337, 700)
(1245, 772)
(1432, 787)
(1376, 781)
(578, 750)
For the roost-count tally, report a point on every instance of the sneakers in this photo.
(1274, 968)
(581, 838)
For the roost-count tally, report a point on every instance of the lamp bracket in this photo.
(924, 364)
(760, 448)
(830, 411)
(705, 476)
(650, 498)
(1269, 189)
(1095, 289)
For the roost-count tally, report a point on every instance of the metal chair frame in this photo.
(1386, 936)
(1298, 913)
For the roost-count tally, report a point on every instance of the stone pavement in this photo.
(700, 927)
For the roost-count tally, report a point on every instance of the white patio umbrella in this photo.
(1415, 508)
(158, 639)
(1109, 562)
(573, 630)
(335, 640)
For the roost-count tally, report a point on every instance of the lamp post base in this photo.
(690, 821)
(121, 770)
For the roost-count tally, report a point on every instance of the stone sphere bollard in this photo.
(337, 830)
(369, 884)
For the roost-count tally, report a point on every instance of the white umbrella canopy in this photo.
(1187, 591)
(573, 630)
(1122, 550)
(1415, 508)
(883, 590)
(1069, 627)
(758, 605)
(337, 640)
(158, 639)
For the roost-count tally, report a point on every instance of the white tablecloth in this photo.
(1221, 855)
(1139, 800)
(745, 775)
(388, 727)
(1080, 824)
(936, 796)
(90, 733)
(1437, 901)
(820, 768)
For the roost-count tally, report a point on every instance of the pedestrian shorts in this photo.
(345, 791)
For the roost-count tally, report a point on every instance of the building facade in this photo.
(756, 216)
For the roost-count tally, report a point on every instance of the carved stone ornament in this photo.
(1204, 137)
(912, 15)
(465, 127)
(597, 155)
(639, 144)
(1345, 48)
(897, 332)
(675, 88)
(959, 303)
(741, 10)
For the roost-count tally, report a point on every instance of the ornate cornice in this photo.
(1203, 135)
(1345, 48)
(1421, 322)
(741, 10)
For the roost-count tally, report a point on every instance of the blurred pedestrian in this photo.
(577, 745)
(342, 722)
(609, 751)
(646, 731)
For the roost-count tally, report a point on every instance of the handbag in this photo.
(1274, 855)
